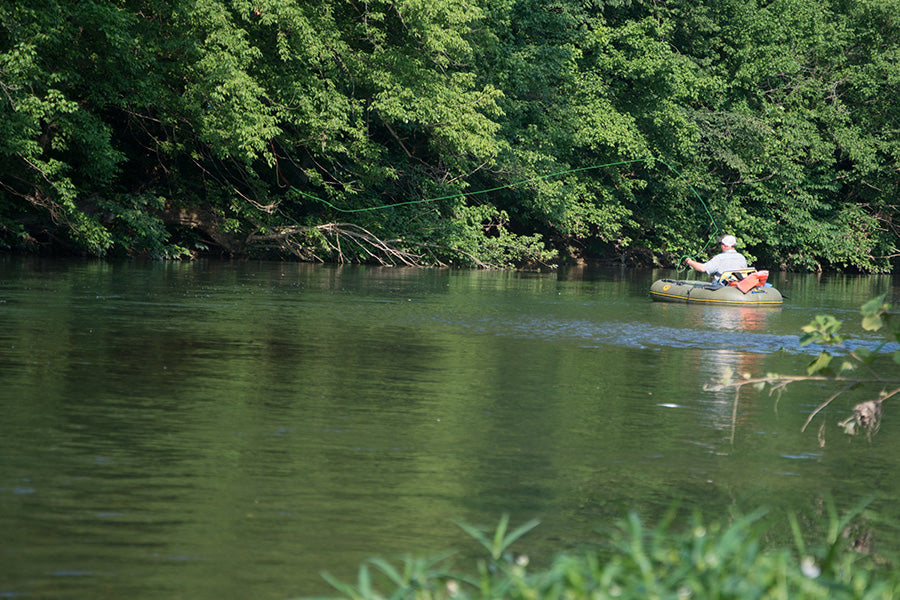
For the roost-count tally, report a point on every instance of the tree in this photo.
(468, 132)
(63, 65)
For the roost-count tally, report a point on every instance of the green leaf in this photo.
(820, 364)
(392, 573)
(847, 367)
(864, 353)
(501, 540)
(874, 306)
(872, 322)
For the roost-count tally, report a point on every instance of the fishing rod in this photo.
(649, 160)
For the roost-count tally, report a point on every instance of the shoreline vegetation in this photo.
(746, 557)
(501, 134)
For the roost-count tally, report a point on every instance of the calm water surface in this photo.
(230, 430)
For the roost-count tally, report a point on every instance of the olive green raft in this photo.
(746, 287)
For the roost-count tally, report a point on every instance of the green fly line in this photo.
(649, 160)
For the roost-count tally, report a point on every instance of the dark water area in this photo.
(233, 429)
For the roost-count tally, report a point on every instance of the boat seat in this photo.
(735, 275)
(744, 279)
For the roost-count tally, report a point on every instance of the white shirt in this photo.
(730, 260)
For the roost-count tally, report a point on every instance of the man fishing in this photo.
(728, 259)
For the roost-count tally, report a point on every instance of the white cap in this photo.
(728, 240)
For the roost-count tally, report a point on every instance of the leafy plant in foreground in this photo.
(708, 560)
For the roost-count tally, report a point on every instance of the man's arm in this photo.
(697, 266)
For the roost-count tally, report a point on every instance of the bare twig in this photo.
(822, 406)
(778, 383)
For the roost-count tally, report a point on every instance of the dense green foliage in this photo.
(742, 559)
(148, 127)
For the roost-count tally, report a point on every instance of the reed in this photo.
(743, 558)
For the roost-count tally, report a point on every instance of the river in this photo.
(223, 429)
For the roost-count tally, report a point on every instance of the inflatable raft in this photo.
(736, 288)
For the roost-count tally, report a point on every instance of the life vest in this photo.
(744, 279)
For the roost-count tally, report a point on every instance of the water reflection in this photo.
(738, 328)
(730, 318)
(733, 362)
(726, 412)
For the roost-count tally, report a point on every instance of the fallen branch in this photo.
(307, 243)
